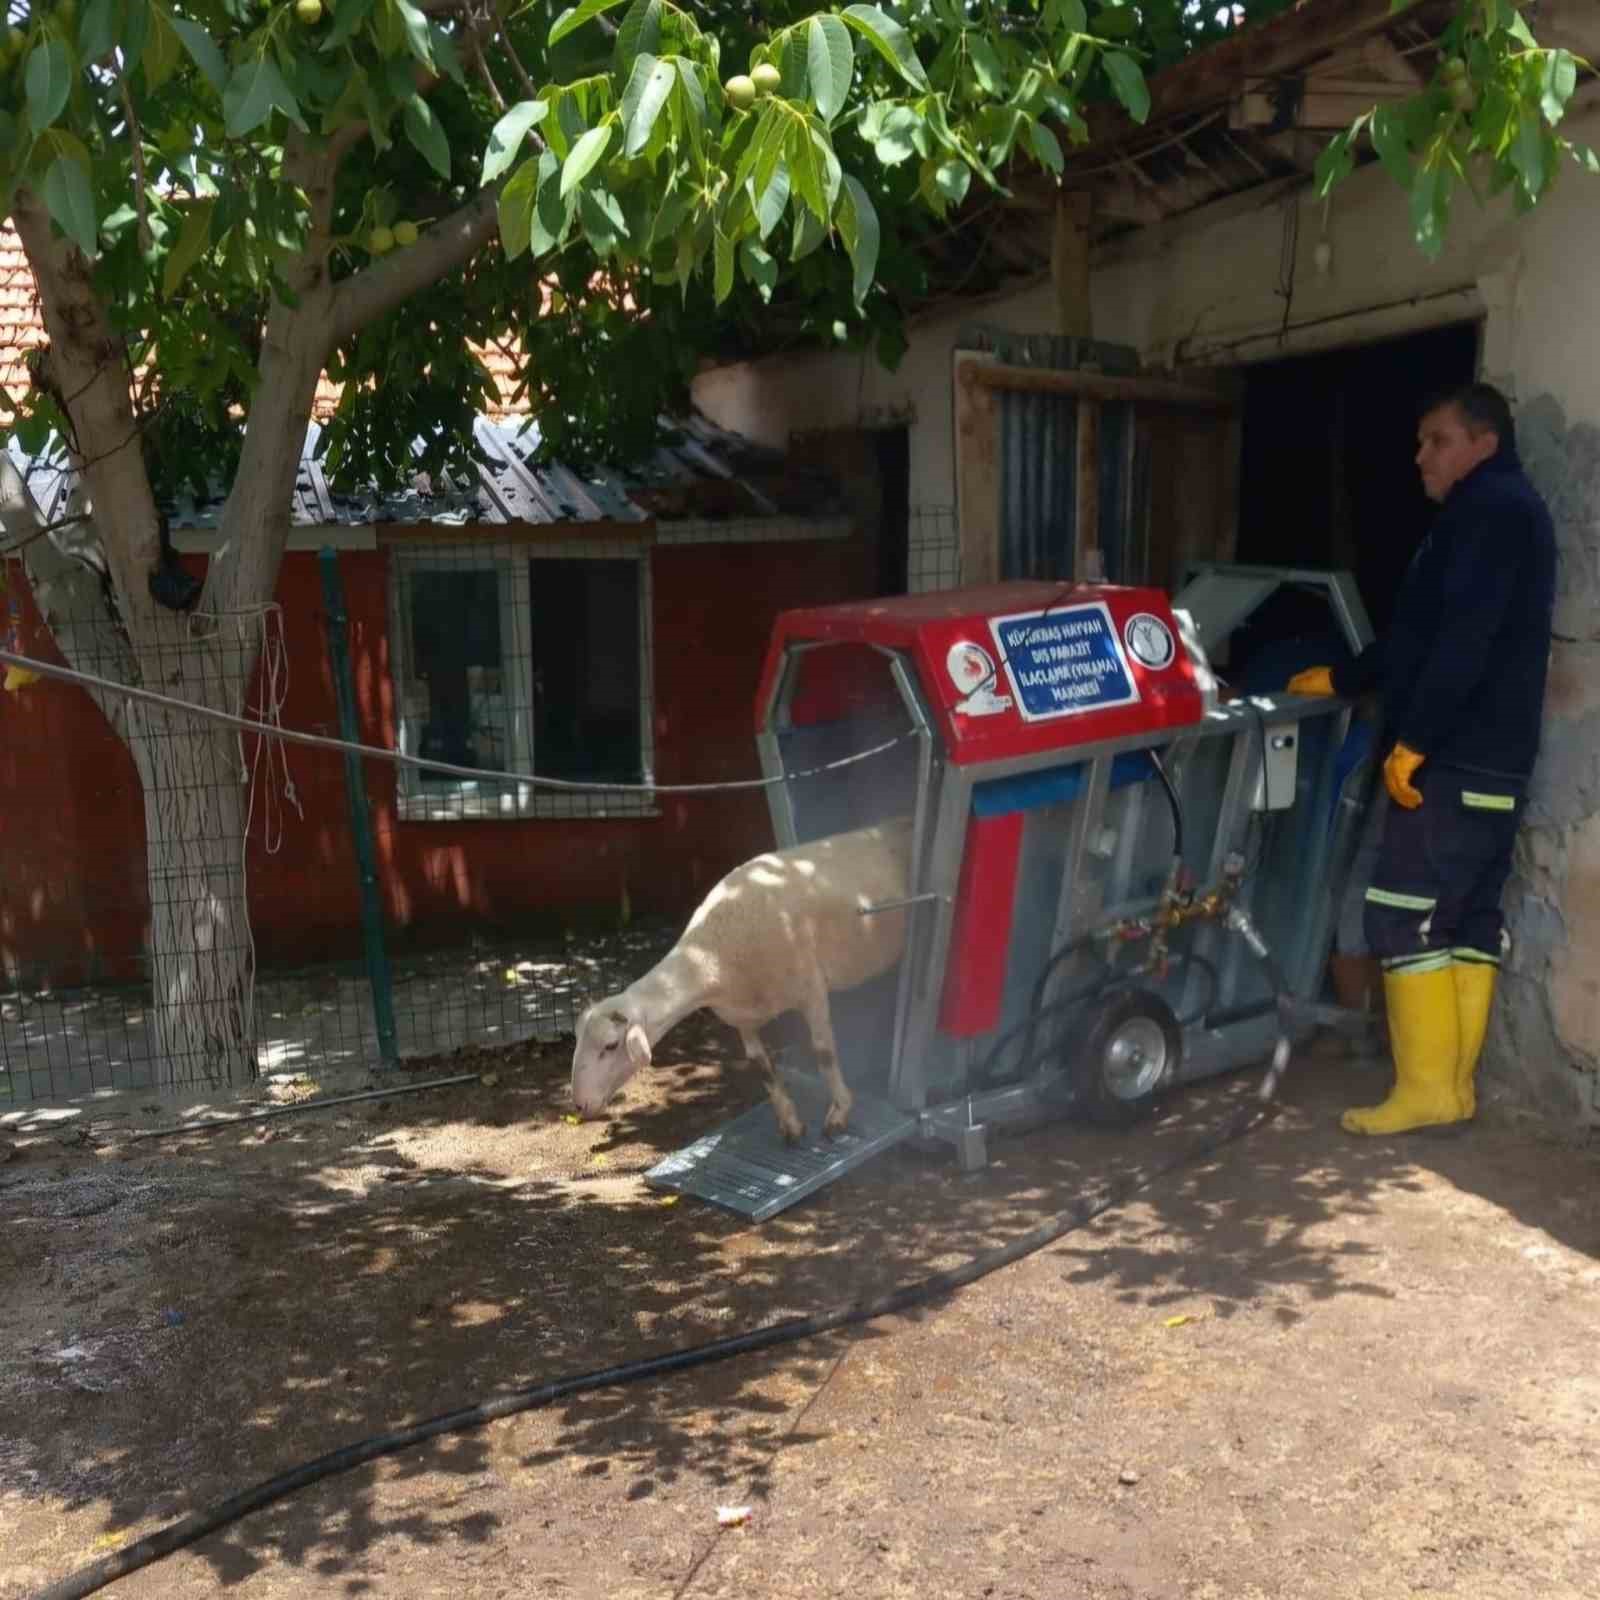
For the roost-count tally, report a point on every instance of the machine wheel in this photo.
(1128, 1058)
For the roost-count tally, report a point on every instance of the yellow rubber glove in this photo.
(1398, 771)
(19, 678)
(1314, 680)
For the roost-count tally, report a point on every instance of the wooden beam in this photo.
(1088, 559)
(989, 376)
(977, 442)
(1270, 49)
(1069, 264)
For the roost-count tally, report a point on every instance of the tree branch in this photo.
(68, 593)
(87, 366)
(390, 282)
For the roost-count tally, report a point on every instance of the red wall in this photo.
(73, 900)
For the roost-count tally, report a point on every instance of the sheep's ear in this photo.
(637, 1043)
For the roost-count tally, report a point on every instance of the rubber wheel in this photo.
(1127, 1060)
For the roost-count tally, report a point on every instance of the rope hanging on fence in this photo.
(320, 741)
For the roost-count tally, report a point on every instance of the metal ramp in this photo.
(746, 1167)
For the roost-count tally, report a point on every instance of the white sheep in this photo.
(777, 934)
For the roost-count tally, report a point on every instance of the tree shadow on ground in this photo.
(253, 1298)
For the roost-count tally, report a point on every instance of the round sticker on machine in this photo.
(1149, 641)
(970, 667)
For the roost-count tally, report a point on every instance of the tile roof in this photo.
(22, 328)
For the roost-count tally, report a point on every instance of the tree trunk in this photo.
(202, 958)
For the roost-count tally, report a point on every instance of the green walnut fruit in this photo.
(380, 241)
(1454, 70)
(741, 92)
(308, 11)
(766, 78)
(12, 43)
(1462, 94)
(405, 232)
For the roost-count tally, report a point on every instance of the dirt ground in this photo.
(1307, 1366)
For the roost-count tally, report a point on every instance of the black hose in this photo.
(1173, 802)
(187, 1530)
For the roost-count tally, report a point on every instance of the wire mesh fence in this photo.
(933, 549)
(184, 906)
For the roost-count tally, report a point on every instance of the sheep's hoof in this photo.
(836, 1122)
(793, 1132)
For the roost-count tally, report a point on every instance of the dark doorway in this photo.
(1328, 477)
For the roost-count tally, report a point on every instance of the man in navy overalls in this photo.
(1462, 673)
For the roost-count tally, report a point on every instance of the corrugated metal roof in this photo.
(746, 480)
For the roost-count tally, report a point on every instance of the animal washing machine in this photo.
(1122, 880)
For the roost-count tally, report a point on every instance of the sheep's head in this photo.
(611, 1047)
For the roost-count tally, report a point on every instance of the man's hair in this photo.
(1481, 404)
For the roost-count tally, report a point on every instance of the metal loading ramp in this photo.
(746, 1167)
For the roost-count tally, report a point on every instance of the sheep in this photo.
(776, 934)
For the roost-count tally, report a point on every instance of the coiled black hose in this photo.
(188, 1530)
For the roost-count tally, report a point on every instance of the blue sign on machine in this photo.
(1063, 662)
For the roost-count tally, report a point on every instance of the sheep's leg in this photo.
(819, 1019)
(783, 1107)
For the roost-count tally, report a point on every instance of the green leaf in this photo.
(1389, 140)
(896, 139)
(986, 66)
(833, 64)
(1430, 209)
(586, 156)
(507, 136)
(162, 50)
(691, 103)
(1046, 146)
(134, 33)
(858, 225)
(252, 93)
(769, 129)
(647, 91)
(809, 231)
(1560, 82)
(552, 216)
(49, 81)
(805, 170)
(759, 267)
(774, 200)
(890, 40)
(98, 31)
(1127, 82)
(203, 49)
(425, 132)
(640, 34)
(192, 243)
(1527, 154)
(348, 16)
(417, 35)
(603, 222)
(722, 273)
(571, 20)
(70, 201)
(515, 209)
(952, 179)
(1334, 165)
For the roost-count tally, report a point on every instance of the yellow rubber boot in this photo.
(1424, 1034)
(1475, 986)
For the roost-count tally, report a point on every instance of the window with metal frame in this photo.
(526, 661)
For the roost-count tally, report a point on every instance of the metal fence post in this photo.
(377, 954)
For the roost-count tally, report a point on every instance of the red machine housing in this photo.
(1010, 675)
